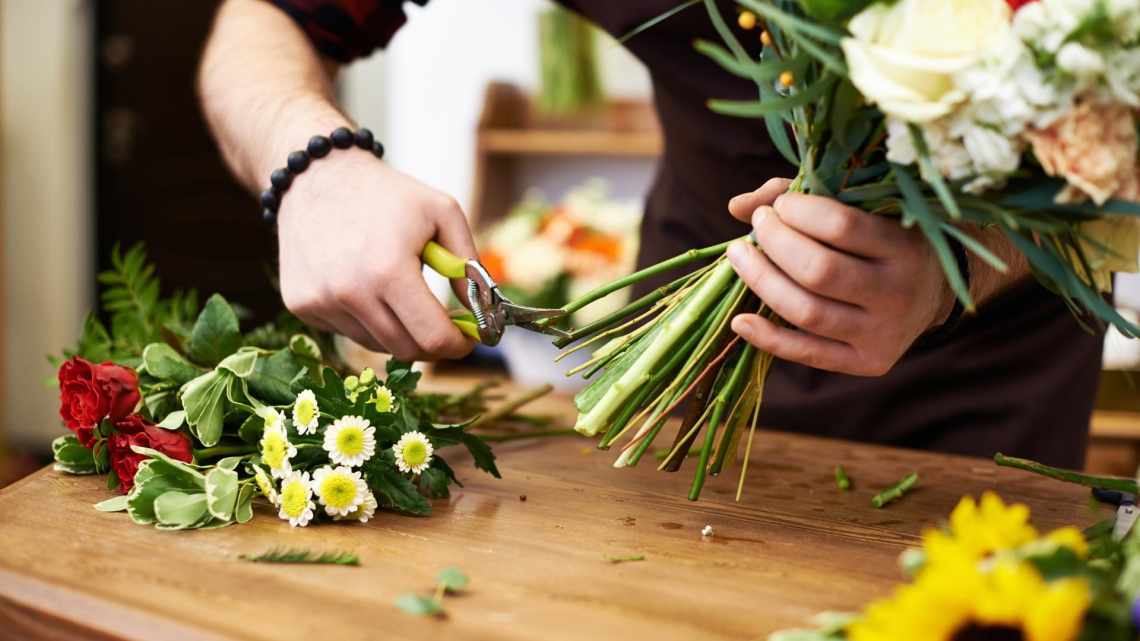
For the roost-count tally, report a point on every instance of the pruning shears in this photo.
(1126, 510)
(493, 311)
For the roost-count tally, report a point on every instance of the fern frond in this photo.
(300, 555)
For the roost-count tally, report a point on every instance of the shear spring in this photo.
(476, 308)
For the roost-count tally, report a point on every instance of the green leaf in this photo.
(243, 511)
(452, 579)
(113, 504)
(252, 428)
(931, 175)
(419, 605)
(204, 400)
(759, 108)
(178, 509)
(974, 245)
(173, 420)
(215, 334)
(402, 379)
(240, 363)
(272, 377)
(914, 204)
(834, 11)
(434, 482)
(483, 457)
(71, 457)
(221, 492)
(393, 490)
(161, 361)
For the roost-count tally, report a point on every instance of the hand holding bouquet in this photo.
(946, 117)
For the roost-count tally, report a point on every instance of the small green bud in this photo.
(351, 383)
(367, 376)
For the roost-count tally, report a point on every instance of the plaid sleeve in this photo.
(345, 30)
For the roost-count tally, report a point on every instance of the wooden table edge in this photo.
(22, 615)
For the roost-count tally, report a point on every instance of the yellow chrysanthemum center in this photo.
(350, 441)
(294, 499)
(414, 453)
(338, 491)
(306, 411)
(273, 449)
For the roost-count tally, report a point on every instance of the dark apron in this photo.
(1019, 377)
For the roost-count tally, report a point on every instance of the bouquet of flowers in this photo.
(545, 255)
(988, 574)
(190, 418)
(1019, 117)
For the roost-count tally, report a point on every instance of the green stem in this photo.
(509, 407)
(1101, 482)
(722, 399)
(679, 260)
(895, 491)
(842, 481)
(613, 318)
(223, 450)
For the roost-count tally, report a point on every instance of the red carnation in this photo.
(135, 430)
(89, 393)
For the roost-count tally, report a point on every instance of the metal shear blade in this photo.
(494, 312)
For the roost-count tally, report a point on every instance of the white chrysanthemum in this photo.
(350, 441)
(413, 452)
(364, 512)
(306, 412)
(272, 417)
(384, 400)
(265, 484)
(296, 503)
(276, 450)
(340, 490)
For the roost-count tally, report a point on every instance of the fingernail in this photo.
(735, 252)
(759, 215)
(779, 199)
(734, 200)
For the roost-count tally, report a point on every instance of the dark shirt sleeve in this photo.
(345, 30)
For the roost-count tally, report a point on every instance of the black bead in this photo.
(363, 138)
(342, 138)
(280, 179)
(378, 150)
(298, 161)
(269, 216)
(269, 200)
(319, 146)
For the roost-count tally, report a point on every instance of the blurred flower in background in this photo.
(545, 254)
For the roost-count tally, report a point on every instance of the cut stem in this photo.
(1068, 476)
(895, 492)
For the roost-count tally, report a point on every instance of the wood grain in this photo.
(795, 545)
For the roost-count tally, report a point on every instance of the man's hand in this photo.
(857, 289)
(351, 231)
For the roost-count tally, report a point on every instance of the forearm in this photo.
(264, 89)
(985, 281)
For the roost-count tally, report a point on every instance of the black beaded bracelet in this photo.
(319, 147)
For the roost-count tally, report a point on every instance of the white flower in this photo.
(306, 412)
(413, 452)
(1123, 76)
(276, 450)
(339, 489)
(384, 400)
(273, 418)
(296, 504)
(1080, 61)
(265, 484)
(533, 263)
(903, 56)
(364, 512)
(350, 441)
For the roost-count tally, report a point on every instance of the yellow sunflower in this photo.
(956, 599)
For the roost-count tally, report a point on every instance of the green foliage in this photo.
(833, 11)
(452, 579)
(303, 556)
(393, 490)
(71, 457)
(419, 605)
(216, 334)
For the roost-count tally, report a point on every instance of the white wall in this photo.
(46, 253)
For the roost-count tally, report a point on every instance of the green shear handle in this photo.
(450, 266)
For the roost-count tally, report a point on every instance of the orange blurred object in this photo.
(586, 240)
(493, 263)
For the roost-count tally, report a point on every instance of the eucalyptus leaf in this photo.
(216, 333)
(161, 361)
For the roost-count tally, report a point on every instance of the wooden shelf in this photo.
(513, 131)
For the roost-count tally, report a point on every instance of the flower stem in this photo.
(723, 398)
(518, 436)
(895, 491)
(511, 405)
(679, 260)
(1101, 482)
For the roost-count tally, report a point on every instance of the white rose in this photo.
(903, 56)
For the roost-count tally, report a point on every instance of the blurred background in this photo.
(547, 138)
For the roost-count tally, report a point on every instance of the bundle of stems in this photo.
(674, 347)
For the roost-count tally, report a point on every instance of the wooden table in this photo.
(795, 545)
